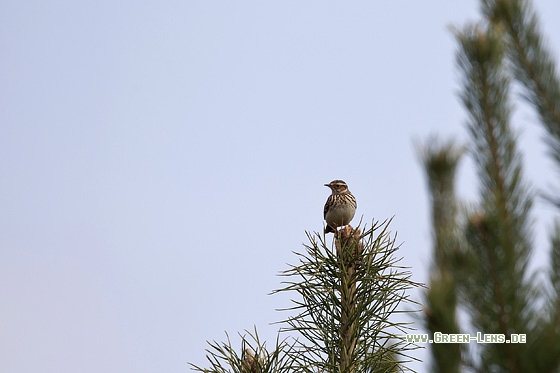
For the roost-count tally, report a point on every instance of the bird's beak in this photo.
(326, 184)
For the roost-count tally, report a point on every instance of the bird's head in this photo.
(337, 186)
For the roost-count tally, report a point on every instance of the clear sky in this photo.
(160, 161)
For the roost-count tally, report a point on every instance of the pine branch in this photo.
(348, 294)
(533, 64)
(349, 250)
(440, 163)
(253, 358)
(499, 235)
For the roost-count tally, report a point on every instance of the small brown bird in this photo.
(340, 207)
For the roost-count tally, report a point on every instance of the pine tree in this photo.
(481, 254)
(345, 296)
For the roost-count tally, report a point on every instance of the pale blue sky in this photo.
(160, 161)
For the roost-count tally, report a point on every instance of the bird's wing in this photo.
(327, 205)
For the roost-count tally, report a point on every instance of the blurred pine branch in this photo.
(481, 253)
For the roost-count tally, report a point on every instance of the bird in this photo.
(340, 206)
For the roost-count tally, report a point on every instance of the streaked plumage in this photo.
(340, 206)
